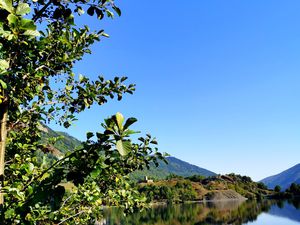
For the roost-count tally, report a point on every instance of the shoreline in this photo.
(198, 201)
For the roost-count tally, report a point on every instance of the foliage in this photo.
(196, 178)
(39, 44)
(294, 189)
(277, 188)
(61, 141)
(248, 188)
(262, 185)
(172, 176)
(195, 188)
(98, 171)
(181, 191)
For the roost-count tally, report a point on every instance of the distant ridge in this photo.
(174, 166)
(284, 179)
(66, 143)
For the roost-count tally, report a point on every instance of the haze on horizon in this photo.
(217, 81)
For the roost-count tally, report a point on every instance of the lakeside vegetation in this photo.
(292, 192)
(177, 189)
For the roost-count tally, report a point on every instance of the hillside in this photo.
(64, 143)
(284, 179)
(174, 166)
(221, 187)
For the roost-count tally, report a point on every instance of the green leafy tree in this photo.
(294, 189)
(261, 185)
(39, 45)
(277, 188)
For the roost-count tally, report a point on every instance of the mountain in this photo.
(64, 143)
(284, 179)
(174, 166)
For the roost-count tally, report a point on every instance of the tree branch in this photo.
(39, 13)
(80, 212)
(51, 167)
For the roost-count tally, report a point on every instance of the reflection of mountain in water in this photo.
(290, 210)
(226, 212)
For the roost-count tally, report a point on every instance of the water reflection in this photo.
(226, 212)
(288, 209)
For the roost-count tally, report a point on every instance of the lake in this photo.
(225, 212)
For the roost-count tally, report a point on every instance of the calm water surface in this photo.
(227, 212)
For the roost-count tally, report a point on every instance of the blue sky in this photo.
(217, 81)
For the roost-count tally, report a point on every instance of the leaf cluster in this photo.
(39, 45)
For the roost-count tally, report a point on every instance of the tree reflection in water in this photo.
(224, 212)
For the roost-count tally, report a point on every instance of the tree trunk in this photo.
(3, 135)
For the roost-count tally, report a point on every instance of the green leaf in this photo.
(129, 122)
(123, 147)
(99, 13)
(154, 142)
(3, 64)
(117, 10)
(81, 78)
(95, 173)
(130, 132)
(27, 24)
(9, 213)
(110, 14)
(23, 9)
(89, 135)
(12, 19)
(33, 33)
(7, 5)
(69, 87)
(120, 120)
(3, 32)
(91, 11)
(80, 10)
(3, 84)
(105, 34)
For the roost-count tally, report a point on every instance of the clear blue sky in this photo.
(218, 82)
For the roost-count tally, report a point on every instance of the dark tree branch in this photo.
(39, 13)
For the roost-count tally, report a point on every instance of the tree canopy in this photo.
(39, 44)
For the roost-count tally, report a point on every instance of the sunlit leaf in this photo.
(120, 120)
(3, 84)
(3, 64)
(33, 33)
(123, 147)
(23, 9)
(7, 5)
(12, 19)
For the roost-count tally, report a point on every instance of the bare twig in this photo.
(80, 212)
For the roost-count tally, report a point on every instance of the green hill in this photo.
(174, 166)
(64, 142)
